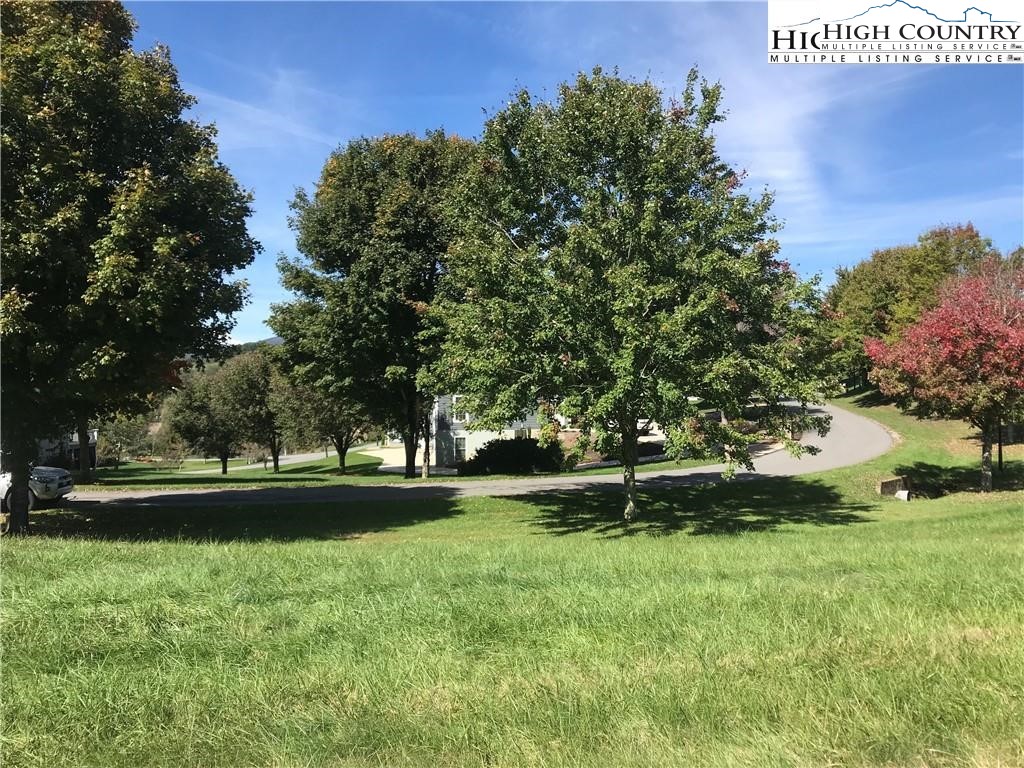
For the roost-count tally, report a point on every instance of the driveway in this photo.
(853, 439)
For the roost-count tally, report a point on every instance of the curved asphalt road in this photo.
(851, 440)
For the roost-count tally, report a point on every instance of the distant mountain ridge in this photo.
(273, 341)
(911, 6)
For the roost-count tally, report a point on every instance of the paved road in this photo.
(852, 440)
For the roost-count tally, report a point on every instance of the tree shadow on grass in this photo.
(868, 397)
(932, 480)
(757, 505)
(146, 477)
(361, 468)
(256, 522)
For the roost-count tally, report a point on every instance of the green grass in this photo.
(190, 465)
(139, 475)
(360, 470)
(801, 622)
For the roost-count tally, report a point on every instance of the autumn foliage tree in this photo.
(885, 293)
(964, 359)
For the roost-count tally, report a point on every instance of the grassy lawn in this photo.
(190, 465)
(802, 622)
(360, 469)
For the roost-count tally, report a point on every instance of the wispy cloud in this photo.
(775, 113)
(814, 135)
(283, 106)
(877, 223)
(244, 125)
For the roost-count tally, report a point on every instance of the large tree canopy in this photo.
(964, 359)
(375, 235)
(610, 263)
(119, 224)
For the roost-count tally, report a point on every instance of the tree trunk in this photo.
(410, 442)
(84, 464)
(629, 457)
(999, 437)
(276, 455)
(341, 448)
(223, 463)
(411, 435)
(18, 499)
(986, 459)
(726, 449)
(425, 472)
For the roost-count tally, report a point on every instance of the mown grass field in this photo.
(802, 622)
(360, 469)
(137, 475)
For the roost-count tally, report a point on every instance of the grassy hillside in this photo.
(802, 622)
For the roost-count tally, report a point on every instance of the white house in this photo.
(453, 441)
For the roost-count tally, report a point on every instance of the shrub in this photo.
(518, 456)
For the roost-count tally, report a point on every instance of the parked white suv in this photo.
(44, 484)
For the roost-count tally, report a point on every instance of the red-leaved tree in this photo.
(965, 358)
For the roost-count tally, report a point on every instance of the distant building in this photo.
(454, 442)
(65, 449)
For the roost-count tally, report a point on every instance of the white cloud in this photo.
(243, 125)
(286, 108)
(775, 112)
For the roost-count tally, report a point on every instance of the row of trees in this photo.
(251, 399)
(592, 254)
(884, 294)
(938, 326)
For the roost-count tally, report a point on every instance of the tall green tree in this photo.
(200, 415)
(310, 415)
(245, 386)
(883, 295)
(611, 264)
(374, 237)
(120, 226)
(121, 436)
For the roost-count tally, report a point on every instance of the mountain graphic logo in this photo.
(905, 4)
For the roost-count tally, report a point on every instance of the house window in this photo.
(460, 449)
(459, 415)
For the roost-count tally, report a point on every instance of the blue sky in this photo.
(860, 157)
